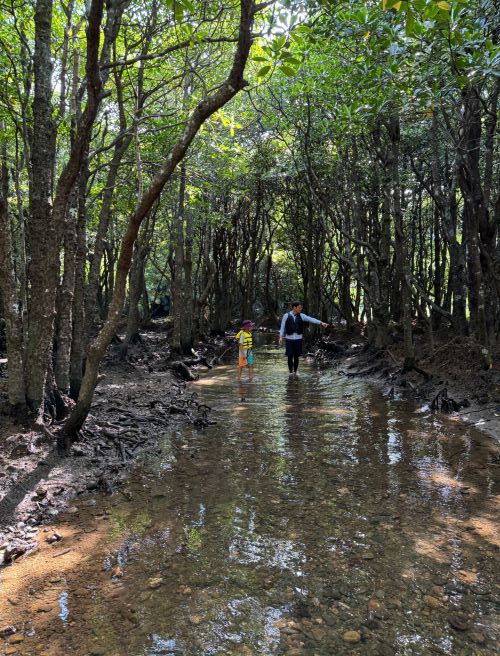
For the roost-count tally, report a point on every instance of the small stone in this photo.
(117, 572)
(433, 602)
(351, 636)
(477, 637)
(44, 608)
(195, 619)
(55, 537)
(7, 631)
(97, 650)
(155, 582)
(13, 552)
(16, 639)
(458, 622)
(10, 650)
(41, 492)
(368, 556)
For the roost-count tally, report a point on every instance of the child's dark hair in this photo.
(296, 303)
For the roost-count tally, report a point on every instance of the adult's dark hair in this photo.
(296, 303)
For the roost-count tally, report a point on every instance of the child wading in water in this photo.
(245, 354)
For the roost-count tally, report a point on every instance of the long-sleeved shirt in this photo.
(295, 335)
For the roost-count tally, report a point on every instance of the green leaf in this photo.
(188, 5)
(410, 22)
(288, 70)
(264, 70)
(293, 61)
(178, 12)
(445, 6)
(279, 42)
(391, 4)
(259, 58)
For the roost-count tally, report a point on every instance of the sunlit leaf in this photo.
(288, 70)
(188, 5)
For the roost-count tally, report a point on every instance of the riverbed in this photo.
(313, 518)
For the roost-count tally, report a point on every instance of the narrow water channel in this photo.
(313, 518)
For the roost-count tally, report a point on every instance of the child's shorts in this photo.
(242, 362)
(250, 359)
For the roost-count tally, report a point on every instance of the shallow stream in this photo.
(313, 518)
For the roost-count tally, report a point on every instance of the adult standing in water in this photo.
(292, 330)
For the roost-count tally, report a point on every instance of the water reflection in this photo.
(310, 509)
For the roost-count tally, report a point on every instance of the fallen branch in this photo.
(61, 553)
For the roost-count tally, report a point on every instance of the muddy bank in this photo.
(137, 402)
(452, 379)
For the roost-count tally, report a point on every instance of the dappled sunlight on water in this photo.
(311, 508)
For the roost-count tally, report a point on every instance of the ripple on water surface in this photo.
(314, 518)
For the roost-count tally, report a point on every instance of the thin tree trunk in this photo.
(65, 296)
(9, 303)
(78, 341)
(177, 282)
(400, 244)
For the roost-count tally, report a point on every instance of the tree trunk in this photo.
(8, 299)
(136, 287)
(469, 177)
(177, 282)
(65, 296)
(43, 238)
(78, 340)
(400, 243)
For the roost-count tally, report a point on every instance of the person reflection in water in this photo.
(292, 330)
(242, 391)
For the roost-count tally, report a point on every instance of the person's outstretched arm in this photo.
(305, 317)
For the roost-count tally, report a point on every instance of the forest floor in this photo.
(138, 401)
(457, 383)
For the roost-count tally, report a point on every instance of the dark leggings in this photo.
(293, 362)
(293, 352)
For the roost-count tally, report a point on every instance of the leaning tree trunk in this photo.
(233, 84)
(92, 318)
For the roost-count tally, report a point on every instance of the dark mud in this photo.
(135, 401)
(315, 518)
